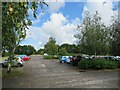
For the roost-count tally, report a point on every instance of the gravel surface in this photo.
(40, 73)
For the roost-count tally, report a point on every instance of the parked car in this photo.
(45, 54)
(64, 59)
(75, 59)
(117, 58)
(109, 57)
(24, 57)
(16, 62)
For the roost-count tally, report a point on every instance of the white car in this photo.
(16, 62)
(45, 54)
(117, 58)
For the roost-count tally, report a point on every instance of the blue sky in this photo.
(60, 20)
(71, 10)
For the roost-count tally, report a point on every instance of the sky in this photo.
(60, 20)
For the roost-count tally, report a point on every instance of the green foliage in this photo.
(4, 54)
(85, 64)
(69, 48)
(97, 64)
(15, 23)
(40, 51)
(93, 37)
(50, 47)
(52, 57)
(115, 34)
(48, 57)
(26, 49)
(62, 51)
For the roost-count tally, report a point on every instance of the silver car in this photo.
(16, 62)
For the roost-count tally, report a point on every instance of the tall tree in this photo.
(115, 34)
(93, 37)
(15, 22)
(50, 47)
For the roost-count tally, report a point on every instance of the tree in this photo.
(70, 48)
(26, 49)
(50, 47)
(15, 22)
(115, 34)
(62, 51)
(40, 51)
(93, 37)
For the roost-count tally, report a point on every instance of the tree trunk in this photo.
(9, 68)
(11, 57)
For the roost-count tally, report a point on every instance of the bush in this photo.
(48, 57)
(112, 65)
(97, 64)
(85, 64)
(52, 57)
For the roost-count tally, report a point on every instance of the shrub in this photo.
(48, 57)
(85, 64)
(112, 65)
(97, 64)
(52, 57)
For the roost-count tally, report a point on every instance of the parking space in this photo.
(40, 73)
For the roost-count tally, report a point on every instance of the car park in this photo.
(16, 62)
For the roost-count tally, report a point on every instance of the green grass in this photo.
(15, 73)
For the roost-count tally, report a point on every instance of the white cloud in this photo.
(55, 6)
(57, 26)
(104, 8)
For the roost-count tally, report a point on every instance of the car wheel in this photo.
(19, 65)
(73, 64)
(60, 61)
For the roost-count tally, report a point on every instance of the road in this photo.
(40, 73)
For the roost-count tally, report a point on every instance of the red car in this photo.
(25, 57)
(75, 59)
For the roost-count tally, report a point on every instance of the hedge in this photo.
(98, 64)
(52, 57)
(48, 57)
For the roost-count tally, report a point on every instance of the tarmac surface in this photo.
(40, 73)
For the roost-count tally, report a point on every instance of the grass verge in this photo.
(15, 73)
